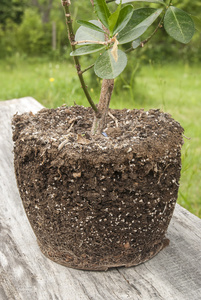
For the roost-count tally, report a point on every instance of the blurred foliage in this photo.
(26, 28)
(12, 10)
(37, 39)
(193, 7)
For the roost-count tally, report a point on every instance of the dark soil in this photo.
(98, 202)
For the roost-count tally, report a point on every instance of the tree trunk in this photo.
(103, 106)
(104, 101)
(46, 13)
(44, 9)
(54, 36)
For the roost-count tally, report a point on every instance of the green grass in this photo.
(175, 89)
(20, 79)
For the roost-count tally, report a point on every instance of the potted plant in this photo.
(99, 186)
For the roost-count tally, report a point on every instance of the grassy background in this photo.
(175, 89)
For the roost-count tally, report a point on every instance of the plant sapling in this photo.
(125, 25)
(100, 191)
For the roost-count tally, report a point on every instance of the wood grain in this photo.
(174, 274)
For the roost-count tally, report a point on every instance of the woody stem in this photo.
(71, 36)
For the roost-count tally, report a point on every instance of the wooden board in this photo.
(174, 274)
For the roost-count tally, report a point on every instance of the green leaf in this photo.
(102, 12)
(152, 1)
(87, 50)
(84, 33)
(113, 19)
(106, 67)
(197, 22)
(124, 17)
(136, 43)
(90, 25)
(179, 25)
(140, 21)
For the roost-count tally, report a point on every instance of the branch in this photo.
(66, 4)
(88, 68)
(153, 33)
(89, 41)
(107, 42)
(147, 39)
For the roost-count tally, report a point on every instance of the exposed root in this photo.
(115, 119)
(63, 144)
(186, 137)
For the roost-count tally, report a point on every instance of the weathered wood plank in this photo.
(175, 273)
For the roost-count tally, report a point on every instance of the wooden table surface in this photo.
(174, 274)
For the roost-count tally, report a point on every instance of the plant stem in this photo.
(92, 42)
(147, 39)
(153, 33)
(104, 101)
(71, 36)
(88, 68)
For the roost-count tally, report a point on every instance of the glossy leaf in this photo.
(84, 33)
(102, 12)
(151, 1)
(124, 17)
(179, 25)
(90, 25)
(112, 20)
(197, 22)
(140, 21)
(106, 67)
(87, 50)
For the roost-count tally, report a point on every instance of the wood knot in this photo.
(66, 3)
